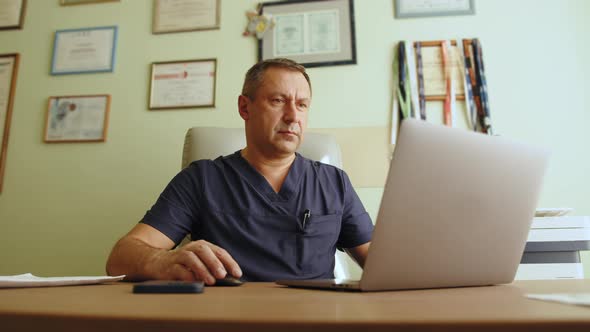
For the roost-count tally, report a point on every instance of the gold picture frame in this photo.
(185, 15)
(83, 2)
(12, 14)
(183, 84)
(434, 81)
(8, 74)
(76, 119)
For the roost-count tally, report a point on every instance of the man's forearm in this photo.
(135, 259)
(359, 253)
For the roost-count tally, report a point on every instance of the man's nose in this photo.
(290, 113)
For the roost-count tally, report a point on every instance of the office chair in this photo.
(212, 142)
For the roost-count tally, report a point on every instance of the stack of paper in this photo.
(29, 280)
(567, 298)
(555, 229)
(553, 248)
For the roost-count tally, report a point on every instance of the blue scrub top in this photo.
(229, 203)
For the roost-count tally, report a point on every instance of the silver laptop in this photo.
(456, 211)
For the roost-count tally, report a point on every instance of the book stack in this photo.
(553, 248)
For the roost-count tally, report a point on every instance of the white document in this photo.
(559, 234)
(316, 32)
(84, 50)
(567, 298)
(29, 280)
(289, 36)
(427, 6)
(184, 15)
(324, 31)
(10, 12)
(561, 222)
(435, 83)
(183, 84)
(79, 118)
(549, 271)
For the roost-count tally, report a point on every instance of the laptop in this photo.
(456, 211)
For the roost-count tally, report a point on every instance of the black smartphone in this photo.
(170, 287)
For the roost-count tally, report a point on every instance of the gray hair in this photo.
(255, 74)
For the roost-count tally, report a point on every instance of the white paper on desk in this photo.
(29, 280)
(567, 298)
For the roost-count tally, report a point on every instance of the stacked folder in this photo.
(553, 248)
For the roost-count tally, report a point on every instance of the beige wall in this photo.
(64, 205)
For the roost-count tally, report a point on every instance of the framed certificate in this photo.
(313, 33)
(83, 2)
(183, 84)
(433, 70)
(185, 15)
(8, 74)
(87, 50)
(77, 119)
(423, 8)
(12, 14)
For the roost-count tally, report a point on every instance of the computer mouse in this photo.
(228, 281)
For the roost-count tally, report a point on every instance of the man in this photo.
(263, 213)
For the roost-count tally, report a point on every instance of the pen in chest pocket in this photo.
(306, 216)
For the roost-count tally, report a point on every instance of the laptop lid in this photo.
(456, 209)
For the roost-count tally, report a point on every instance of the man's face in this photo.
(276, 117)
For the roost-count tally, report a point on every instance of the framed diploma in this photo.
(8, 74)
(87, 50)
(83, 2)
(423, 8)
(433, 70)
(12, 14)
(183, 84)
(313, 33)
(77, 119)
(185, 15)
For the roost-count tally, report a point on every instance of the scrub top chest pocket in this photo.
(317, 244)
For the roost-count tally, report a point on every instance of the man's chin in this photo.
(287, 147)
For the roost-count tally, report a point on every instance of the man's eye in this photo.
(277, 100)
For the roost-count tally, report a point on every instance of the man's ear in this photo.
(243, 102)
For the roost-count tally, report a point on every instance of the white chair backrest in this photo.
(212, 142)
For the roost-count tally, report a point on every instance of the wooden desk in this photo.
(267, 307)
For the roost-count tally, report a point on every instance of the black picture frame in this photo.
(334, 44)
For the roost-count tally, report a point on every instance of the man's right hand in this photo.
(198, 260)
(145, 253)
